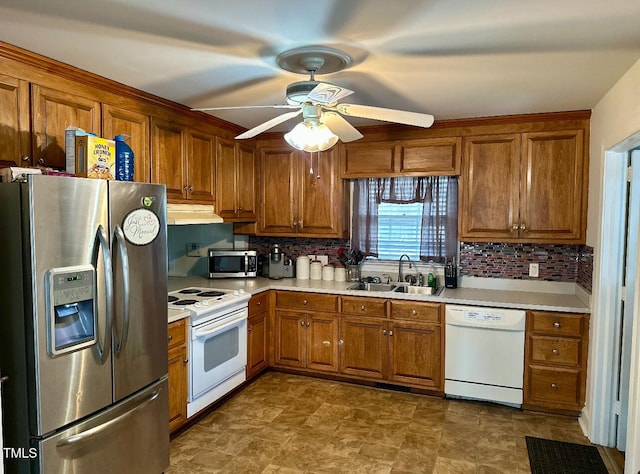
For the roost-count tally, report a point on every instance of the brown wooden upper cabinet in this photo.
(15, 138)
(420, 157)
(53, 112)
(183, 160)
(528, 187)
(301, 194)
(235, 180)
(116, 121)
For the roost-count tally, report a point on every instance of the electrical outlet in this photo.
(534, 270)
(193, 249)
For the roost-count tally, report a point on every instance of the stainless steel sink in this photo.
(373, 286)
(397, 288)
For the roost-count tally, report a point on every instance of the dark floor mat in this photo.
(558, 457)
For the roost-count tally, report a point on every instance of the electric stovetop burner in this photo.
(172, 298)
(190, 291)
(211, 294)
(184, 302)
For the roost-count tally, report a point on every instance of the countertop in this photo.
(497, 298)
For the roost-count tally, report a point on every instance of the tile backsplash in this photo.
(292, 247)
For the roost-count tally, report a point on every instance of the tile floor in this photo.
(284, 423)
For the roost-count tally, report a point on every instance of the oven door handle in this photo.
(199, 333)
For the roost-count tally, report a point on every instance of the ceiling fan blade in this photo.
(325, 93)
(248, 107)
(268, 124)
(387, 115)
(338, 125)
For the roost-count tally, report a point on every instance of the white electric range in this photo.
(217, 341)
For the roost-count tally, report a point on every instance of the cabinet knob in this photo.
(523, 227)
(414, 312)
(554, 351)
(554, 386)
(390, 333)
(41, 161)
(514, 227)
(169, 338)
(341, 341)
(363, 307)
(304, 302)
(384, 331)
(186, 188)
(259, 303)
(186, 361)
(190, 188)
(301, 323)
(308, 324)
(25, 158)
(556, 325)
(250, 328)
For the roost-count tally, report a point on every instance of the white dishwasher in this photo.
(484, 354)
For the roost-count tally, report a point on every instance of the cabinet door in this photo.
(290, 339)
(177, 375)
(168, 166)
(415, 354)
(246, 183)
(320, 194)
(116, 121)
(553, 186)
(15, 142)
(365, 160)
(431, 157)
(322, 342)
(53, 112)
(257, 344)
(200, 166)
(363, 347)
(489, 207)
(226, 192)
(278, 190)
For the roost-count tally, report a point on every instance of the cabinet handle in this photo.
(186, 361)
(554, 351)
(190, 188)
(414, 312)
(186, 188)
(259, 303)
(301, 323)
(556, 325)
(26, 158)
(514, 227)
(41, 161)
(308, 324)
(384, 331)
(326, 343)
(169, 338)
(523, 227)
(390, 333)
(341, 341)
(363, 307)
(554, 386)
(304, 302)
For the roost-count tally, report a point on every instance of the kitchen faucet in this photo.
(400, 265)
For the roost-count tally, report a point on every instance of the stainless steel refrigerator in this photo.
(83, 326)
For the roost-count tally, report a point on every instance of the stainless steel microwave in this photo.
(233, 263)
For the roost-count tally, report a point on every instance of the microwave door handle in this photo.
(198, 333)
(101, 245)
(246, 264)
(119, 241)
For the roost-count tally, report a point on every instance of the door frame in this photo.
(600, 421)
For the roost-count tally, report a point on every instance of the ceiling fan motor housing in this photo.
(298, 92)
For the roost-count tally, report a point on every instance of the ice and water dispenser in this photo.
(71, 308)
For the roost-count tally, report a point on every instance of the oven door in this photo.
(218, 351)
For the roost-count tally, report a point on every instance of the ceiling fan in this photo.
(318, 103)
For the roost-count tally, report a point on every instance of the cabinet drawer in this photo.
(554, 386)
(177, 333)
(258, 303)
(562, 324)
(555, 350)
(372, 307)
(415, 311)
(306, 301)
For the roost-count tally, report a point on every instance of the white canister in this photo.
(340, 274)
(328, 272)
(302, 267)
(315, 270)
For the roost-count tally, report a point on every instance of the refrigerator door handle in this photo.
(96, 430)
(103, 245)
(121, 339)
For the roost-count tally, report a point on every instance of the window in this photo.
(416, 216)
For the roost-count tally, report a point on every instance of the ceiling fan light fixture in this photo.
(311, 137)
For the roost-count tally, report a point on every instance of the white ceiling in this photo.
(449, 58)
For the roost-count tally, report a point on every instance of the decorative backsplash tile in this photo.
(557, 262)
(292, 247)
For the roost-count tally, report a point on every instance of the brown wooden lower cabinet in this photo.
(177, 374)
(556, 361)
(415, 354)
(257, 335)
(363, 347)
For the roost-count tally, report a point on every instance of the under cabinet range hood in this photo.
(183, 214)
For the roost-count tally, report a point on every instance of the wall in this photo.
(614, 119)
